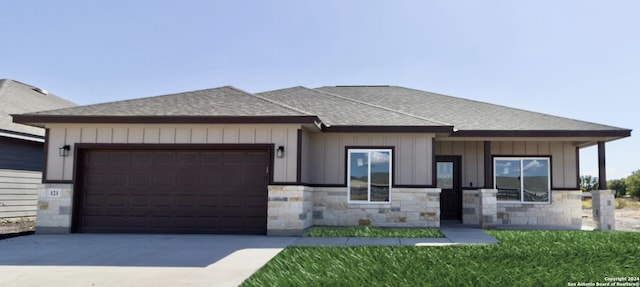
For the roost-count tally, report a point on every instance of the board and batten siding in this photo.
(19, 193)
(61, 168)
(563, 158)
(305, 154)
(472, 156)
(412, 156)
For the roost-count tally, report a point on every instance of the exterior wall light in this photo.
(280, 152)
(64, 150)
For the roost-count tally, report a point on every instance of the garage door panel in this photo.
(213, 179)
(174, 191)
(254, 202)
(107, 222)
(106, 178)
(208, 201)
(188, 159)
(185, 179)
(254, 222)
(232, 158)
(141, 160)
(165, 160)
(117, 201)
(97, 160)
(185, 201)
(160, 201)
(252, 213)
(96, 179)
(256, 159)
(138, 222)
(139, 201)
(120, 212)
(163, 178)
(139, 178)
(95, 201)
(209, 159)
(119, 159)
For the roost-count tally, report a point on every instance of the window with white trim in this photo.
(522, 179)
(369, 175)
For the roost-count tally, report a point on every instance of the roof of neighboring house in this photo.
(339, 109)
(17, 98)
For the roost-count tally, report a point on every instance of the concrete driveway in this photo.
(134, 260)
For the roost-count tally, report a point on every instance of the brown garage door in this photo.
(173, 191)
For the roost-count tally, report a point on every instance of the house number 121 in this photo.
(54, 193)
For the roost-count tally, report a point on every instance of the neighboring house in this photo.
(22, 148)
(227, 161)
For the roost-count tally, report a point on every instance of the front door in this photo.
(448, 179)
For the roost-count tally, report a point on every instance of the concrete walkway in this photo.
(452, 236)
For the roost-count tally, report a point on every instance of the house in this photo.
(226, 161)
(22, 148)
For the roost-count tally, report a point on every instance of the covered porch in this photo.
(485, 206)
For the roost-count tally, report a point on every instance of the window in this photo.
(522, 179)
(369, 173)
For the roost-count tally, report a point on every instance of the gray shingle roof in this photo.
(334, 110)
(18, 98)
(340, 108)
(223, 101)
(463, 114)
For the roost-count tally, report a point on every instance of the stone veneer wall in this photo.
(564, 211)
(54, 210)
(409, 207)
(289, 210)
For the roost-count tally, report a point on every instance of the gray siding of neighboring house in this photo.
(20, 154)
(20, 176)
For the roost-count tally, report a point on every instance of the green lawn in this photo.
(379, 232)
(522, 258)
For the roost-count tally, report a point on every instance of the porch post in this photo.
(602, 170)
(604, 212)
(488, 179)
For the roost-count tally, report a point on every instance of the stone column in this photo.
(488, 208)
(289, 210)
(54, 208)
(603, 209)
(471, 207)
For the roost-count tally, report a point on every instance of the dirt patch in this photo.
(9, 227)
(627, 219)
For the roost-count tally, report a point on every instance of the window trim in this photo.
(522, 159)
(351, 150)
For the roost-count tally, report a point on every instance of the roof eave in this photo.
(388, 129)
(40, 120)
(21, 135)
(621, 133)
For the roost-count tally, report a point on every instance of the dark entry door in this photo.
(448, 179)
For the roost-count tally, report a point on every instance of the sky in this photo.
(576, 59)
